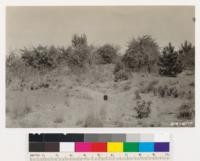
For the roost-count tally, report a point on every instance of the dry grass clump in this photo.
(99, 73)
(127, 86)
(150, 87)
(20, 111)
(59, 120)
(92, 121)
(38, 86)
(164, 91)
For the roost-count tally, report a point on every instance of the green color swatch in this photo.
(131, 147)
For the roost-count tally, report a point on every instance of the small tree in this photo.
(106, 54)
(79, 54)
(142, 53)
(170, 62)
(79, 57)
(78, 41)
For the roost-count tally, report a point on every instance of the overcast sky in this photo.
(30, 26)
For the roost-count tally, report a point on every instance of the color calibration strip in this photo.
(99, 156)
(99, 143)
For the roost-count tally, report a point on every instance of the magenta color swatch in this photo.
(83, 147)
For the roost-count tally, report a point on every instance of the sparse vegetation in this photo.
(75, 78)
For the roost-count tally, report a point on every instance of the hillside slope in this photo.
(63, 99)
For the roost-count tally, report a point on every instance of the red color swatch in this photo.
(99, 147)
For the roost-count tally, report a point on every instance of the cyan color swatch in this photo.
(146, 147)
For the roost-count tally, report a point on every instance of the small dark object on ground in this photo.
(105, 97)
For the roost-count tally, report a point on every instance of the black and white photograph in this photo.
(100, 66)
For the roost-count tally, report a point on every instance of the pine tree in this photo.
(187, 52)
(170, 62)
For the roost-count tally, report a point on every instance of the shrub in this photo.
(12, 60)
(121, 75)
(14, 66)
(63, 55)
(137, 95)
(192, 84)
(161, 91)
(107, 54)
(170, 62)
(119, 66)
(40, 57)
(186, 111)
(143, 109)
(142, 53)
(190, 95)
(126, 87)
(173, 92)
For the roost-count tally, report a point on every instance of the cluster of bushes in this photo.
(142, 54)
(163, 91)
(77, 56)
(42, 57)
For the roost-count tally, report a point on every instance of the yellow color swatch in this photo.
(115, 147)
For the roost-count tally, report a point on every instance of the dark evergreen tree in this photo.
(169, 62)
(187, 52)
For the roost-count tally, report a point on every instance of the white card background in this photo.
(13, 142)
